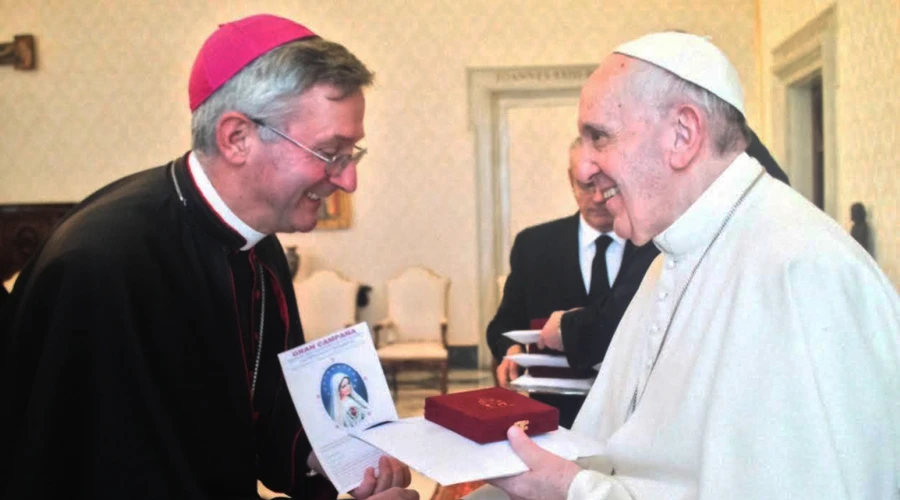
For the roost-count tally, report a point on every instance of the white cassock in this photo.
(779, 377)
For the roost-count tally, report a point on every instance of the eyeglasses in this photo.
(335, 165)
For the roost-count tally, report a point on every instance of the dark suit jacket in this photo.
(545, 276)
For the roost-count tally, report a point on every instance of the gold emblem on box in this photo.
(522, 424)
(492, 403)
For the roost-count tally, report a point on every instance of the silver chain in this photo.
(262, 324)
(634, 397)
(175, 181)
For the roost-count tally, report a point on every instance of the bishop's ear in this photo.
(233, 137)
(689, 135)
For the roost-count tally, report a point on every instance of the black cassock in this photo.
(128, 352)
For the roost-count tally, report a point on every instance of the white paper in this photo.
(345, 363)
(449, 458)
(524, 336)
(568, 385)
(528, 360)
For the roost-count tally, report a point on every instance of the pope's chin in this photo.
(623, 227)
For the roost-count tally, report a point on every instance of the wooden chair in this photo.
(415, 331)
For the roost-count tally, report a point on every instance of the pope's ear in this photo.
(233, 132)
(689, 133)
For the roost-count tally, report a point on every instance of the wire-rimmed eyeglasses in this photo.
(334, 165)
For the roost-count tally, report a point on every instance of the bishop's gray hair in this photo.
(264, 88)
(727, 126)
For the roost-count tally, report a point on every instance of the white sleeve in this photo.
(591, 485)
(805, 404)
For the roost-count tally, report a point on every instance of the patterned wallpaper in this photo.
(867, 102)
(109, 98)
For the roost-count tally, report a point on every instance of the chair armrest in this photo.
(376, 330)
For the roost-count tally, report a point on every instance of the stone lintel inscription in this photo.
(530, 75)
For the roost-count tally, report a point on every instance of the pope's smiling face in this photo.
(622, 137)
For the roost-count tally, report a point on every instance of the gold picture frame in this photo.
(335, 212)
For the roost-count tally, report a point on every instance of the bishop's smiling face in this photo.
(621, 151)
(290, 181)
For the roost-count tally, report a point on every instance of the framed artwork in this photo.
(23, 228)
(335, 212)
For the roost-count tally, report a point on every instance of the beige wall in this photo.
(867, 107)
(109, 98)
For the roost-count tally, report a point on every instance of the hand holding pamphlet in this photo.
(339, 389)
(342, 397)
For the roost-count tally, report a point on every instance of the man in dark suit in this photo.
(555, 267)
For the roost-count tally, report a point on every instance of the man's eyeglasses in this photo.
(335, 165)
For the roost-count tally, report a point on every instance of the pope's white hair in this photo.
(662, 89)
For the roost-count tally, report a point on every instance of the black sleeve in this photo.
(284, 448)
(83, 417)
(282, 444)
(587, 332)
(512, 313)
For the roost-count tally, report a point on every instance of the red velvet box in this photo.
(484, 415)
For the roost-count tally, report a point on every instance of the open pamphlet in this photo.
(342, 397)
(339, 389)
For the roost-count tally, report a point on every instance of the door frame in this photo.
(492, 92)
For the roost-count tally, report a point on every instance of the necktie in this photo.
(599, 275)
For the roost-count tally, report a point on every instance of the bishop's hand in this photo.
(549, 477)
(393, 476)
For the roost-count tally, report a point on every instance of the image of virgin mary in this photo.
(348, 408)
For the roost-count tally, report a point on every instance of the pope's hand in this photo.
(393, 475)
(508, 370)
(549, 477)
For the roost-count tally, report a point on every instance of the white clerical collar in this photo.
(218, 205)
(696, 226)
(587, 234)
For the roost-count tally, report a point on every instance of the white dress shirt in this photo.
(587, 248)
(218, 205)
